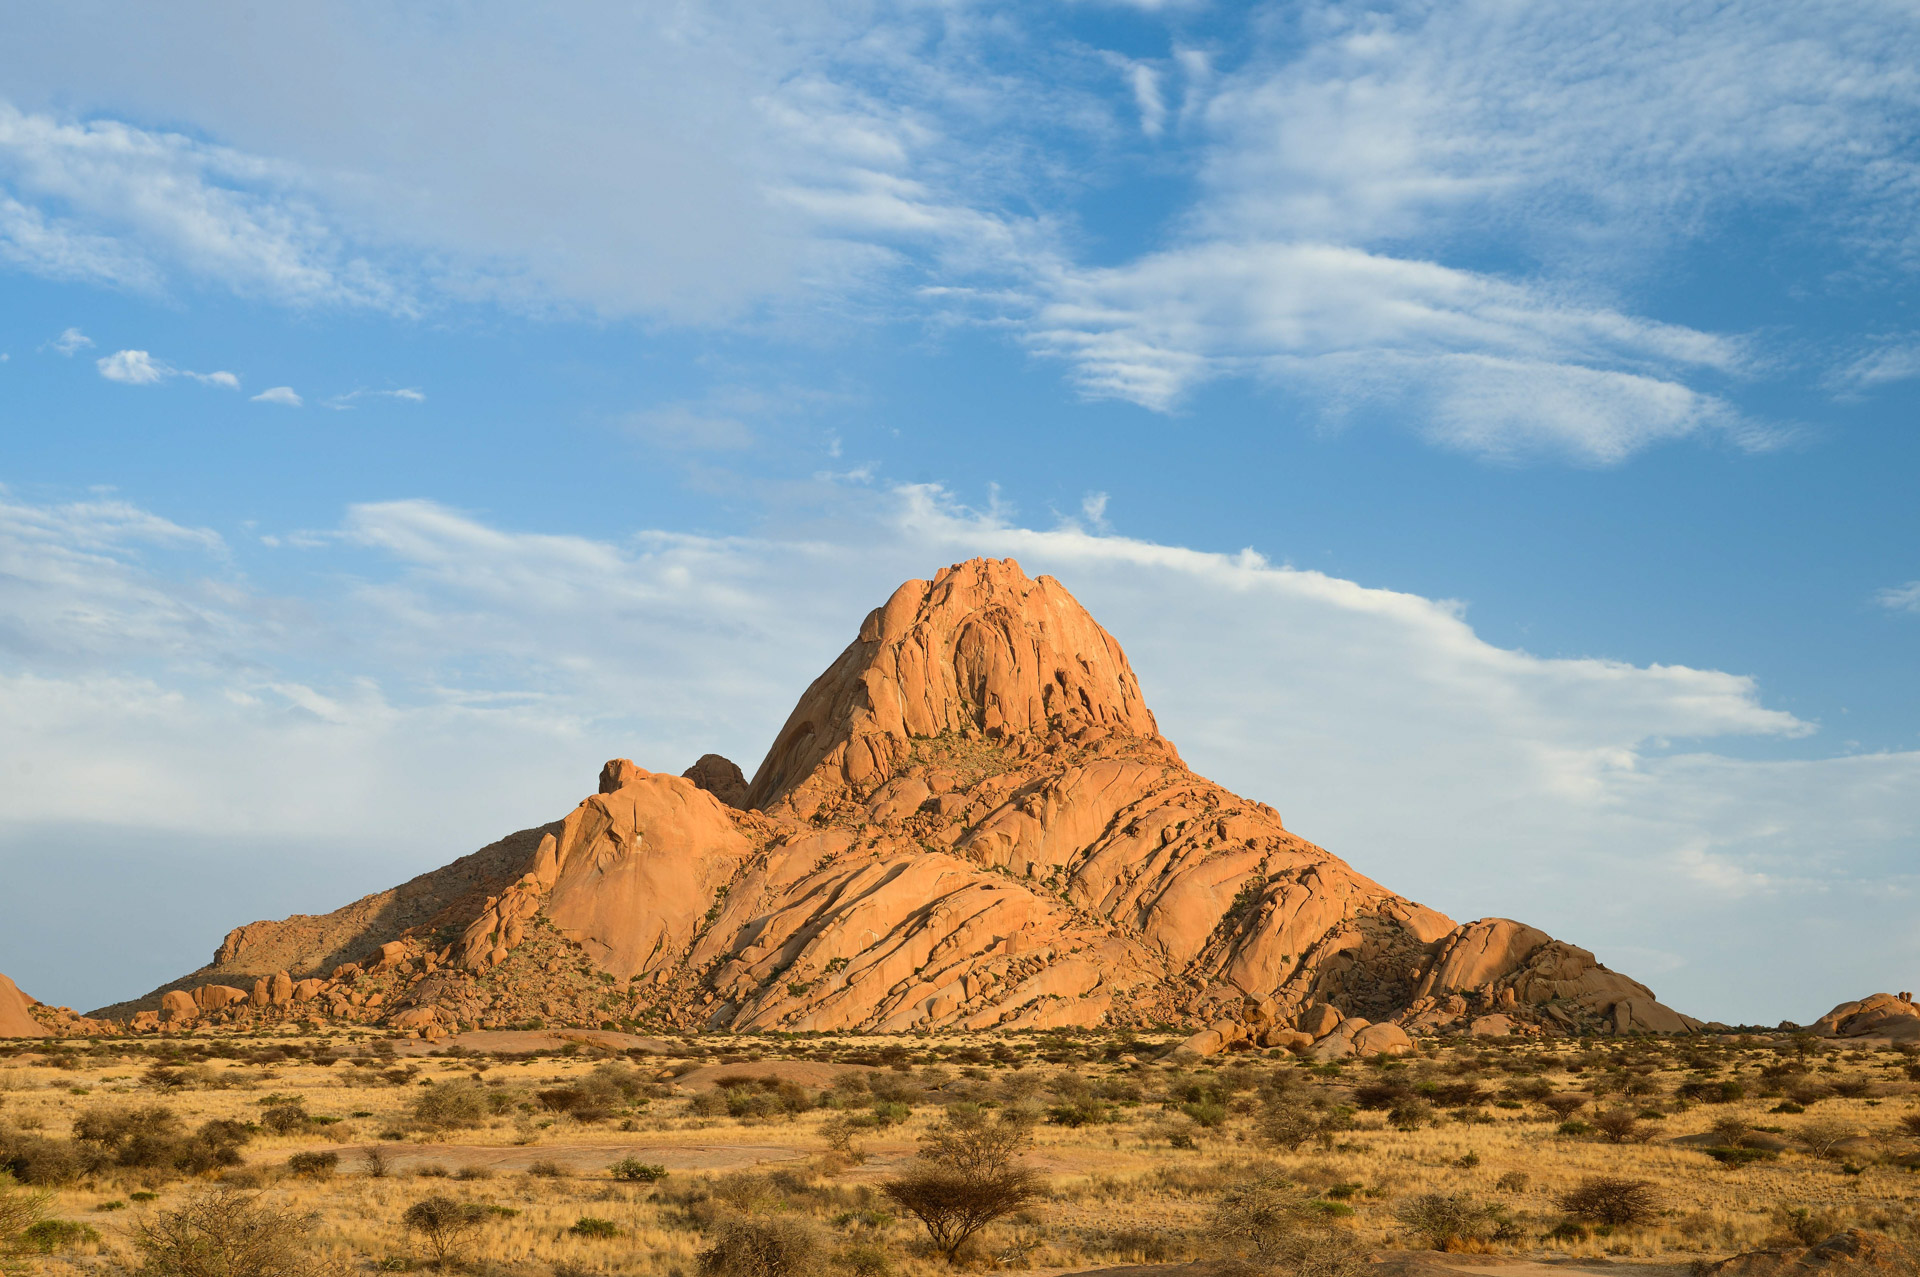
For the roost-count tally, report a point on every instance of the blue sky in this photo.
(1489, 429)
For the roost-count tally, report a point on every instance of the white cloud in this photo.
(1145, 82)
(138, 368)
(164, 694)
(123, 205)
(1462, 202)
(1900, 598)
(405, 395)
(133, 368)
(1492, 367)
(283, 395)
(1887, 363)
(71, 341)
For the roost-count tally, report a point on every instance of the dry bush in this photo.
(448, 1105)
(224, 1233)
(781, 1246)
(20, 1209)
(1821, 1137)
(1618, 1124)
(1271, 1226)
(1611, 1200)
(1447, 1221)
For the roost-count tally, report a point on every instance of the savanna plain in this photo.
(769, 1155)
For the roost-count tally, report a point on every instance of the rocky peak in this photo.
(982, 649)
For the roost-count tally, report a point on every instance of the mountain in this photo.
(969, 821)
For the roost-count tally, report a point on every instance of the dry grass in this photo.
(1132, 1185)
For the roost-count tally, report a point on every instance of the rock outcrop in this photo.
(16, 1018)
(1853, 1253)
(970, 821)
(1883, 1015)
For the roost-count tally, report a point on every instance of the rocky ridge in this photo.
(970, 821)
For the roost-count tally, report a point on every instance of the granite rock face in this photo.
(1881, 1015)
(969, 821)
(16, 1018)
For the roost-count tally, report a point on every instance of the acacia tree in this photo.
(967, 1176)
(442, 1223)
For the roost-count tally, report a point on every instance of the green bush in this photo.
(633, 1170)
(315, 1165)
(50, 1235)
(1737, 1157)
(588, 1226)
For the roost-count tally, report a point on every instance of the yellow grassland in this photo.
(1120, 1191)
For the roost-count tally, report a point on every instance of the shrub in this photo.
(1445, 1220)
(547, 1170)
(314, 1165)
(588, 1226)
(1725, 1092)
(1513, 1182)
(286, 1119)
(1410, 1114)
(635, 1171)
(1910, 1123)
(1822, 1138)
(20, 1211)
(34, 1159)
(443, 1223)
(1610, 1200)
(150, 1138)
(865, 1260)
(444, 1105)
(1564, 1106)
(780, 1246)
(1575, 1127)
(1737, 1157)
(1273, 1227)
(49, 1235)
(224, 1232)
(1288, 1120)
(1617, 1124)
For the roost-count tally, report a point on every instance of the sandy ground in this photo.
(577, 1159)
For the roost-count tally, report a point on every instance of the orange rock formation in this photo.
(969, 821)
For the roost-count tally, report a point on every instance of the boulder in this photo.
(1215, 1038)
(1887, 1015)
(1382, 1039)
(177, 1006)
(1490, 1026)
(213, 997)
(1318, 1020)
(15, 1021)
(720, 777)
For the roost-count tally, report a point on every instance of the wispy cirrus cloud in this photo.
(1454, 212)
(1900, 598)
